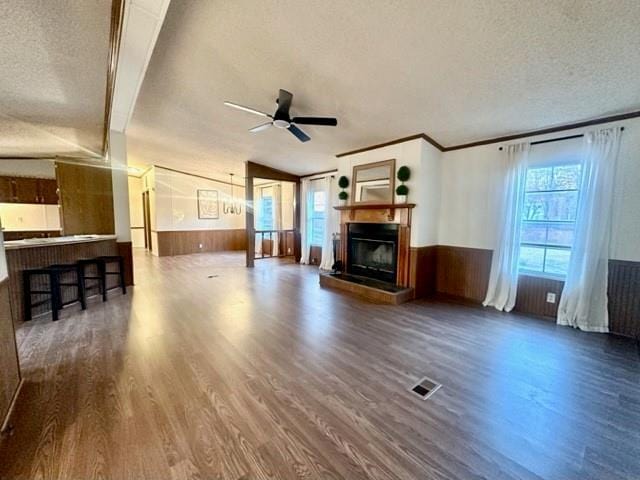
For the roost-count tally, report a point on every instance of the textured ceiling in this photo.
(53, 64)
(458, 70)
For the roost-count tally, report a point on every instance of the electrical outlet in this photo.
(551, 297)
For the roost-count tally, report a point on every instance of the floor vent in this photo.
(212, 276)
(425, 388)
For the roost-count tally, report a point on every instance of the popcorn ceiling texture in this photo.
(458, 70)
(53, 65)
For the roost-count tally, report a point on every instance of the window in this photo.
(549, 219)
(317, 218)
(265, 222)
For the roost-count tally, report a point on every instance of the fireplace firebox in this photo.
(373, 250)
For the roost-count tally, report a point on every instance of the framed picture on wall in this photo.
(208, 207)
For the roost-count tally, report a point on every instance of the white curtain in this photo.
(583, 303)
(305, 234)
(503, 280)
(331, 222)
(277, 218)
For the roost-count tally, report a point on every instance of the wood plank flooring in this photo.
(261, 374)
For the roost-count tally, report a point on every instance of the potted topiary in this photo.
(343, 182)
(402, 190)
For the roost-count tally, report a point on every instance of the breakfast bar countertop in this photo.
(47, 242)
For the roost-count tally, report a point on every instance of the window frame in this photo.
(548, 223)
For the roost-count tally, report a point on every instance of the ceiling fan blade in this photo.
(284, 103)
(259, 128)
(247, 109)
(328, 121)
(300, 135)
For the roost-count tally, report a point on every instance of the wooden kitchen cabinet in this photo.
(28, 190)
(25, 190)
(6, 190)
(48, 191)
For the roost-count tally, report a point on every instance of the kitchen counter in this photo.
(55, 241)
(42, 252)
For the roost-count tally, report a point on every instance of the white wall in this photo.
(471, 188)
(424, 160)
(177, 205)
(28, 168)
(136, 215)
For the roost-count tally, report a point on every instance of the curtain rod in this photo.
(558, 139)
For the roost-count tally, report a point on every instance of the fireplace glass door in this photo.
(373, 251)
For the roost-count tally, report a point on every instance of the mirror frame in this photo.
(392, 181)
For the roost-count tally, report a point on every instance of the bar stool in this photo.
(28, 291)
(61, 273)
(109, 260)
(94, 275)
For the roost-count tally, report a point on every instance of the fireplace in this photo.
(373, 250)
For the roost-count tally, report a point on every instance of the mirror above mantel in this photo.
(374, 183)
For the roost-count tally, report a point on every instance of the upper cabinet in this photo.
(28, 190)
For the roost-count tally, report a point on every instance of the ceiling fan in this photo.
(281, 118)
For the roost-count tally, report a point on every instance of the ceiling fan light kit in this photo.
(281, 118)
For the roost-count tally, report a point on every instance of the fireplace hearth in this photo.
(373, 250)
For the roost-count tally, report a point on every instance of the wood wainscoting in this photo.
(125, 250)
(183, 242)
(9, 365)
(315, 255)
(624, 298)
(422, 270)
(463, 274)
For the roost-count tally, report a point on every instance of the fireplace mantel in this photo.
(390, 208)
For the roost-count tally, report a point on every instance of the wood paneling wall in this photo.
(184, 242)
(125, 250)
(86, 198)
(37, 257)
(9, 365)
(422, 270)
(624, 298)
(463, 272)
(532, 295)
(315, 255)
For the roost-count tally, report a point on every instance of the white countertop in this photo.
(48, 242)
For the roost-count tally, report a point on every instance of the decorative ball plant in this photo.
(402, 190)
(403, 175)
(343, 182)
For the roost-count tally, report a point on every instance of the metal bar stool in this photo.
(28, 291)
(110, 260)
(61, 274)
(92, 269)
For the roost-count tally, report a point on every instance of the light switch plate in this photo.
(551, 297)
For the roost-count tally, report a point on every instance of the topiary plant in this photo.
(343, 195)
(402, 190)
(343, 182)
(404, 173)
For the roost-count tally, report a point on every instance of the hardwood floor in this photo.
(260, 374)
